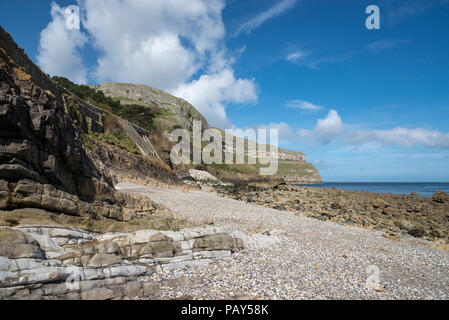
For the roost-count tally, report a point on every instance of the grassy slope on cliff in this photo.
(160, 119)
(143, 116)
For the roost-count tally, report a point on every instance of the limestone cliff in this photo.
(178, 113)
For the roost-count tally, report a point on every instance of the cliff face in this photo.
(39, 140)
(293, 166)
(78, 114)
(44, 161)
(178, 113)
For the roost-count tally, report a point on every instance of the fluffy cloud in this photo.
(58, 48)
(266, 15)
(174, 45)
(402, 137)
(325, 130)
(331, 128)
(209, 93)
(160, 42)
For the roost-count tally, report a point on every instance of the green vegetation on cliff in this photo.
(141, 115)
(160, 113)
(119, 139)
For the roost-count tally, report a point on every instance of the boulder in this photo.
(340, 204)
(418, 233)
(390, 211)
(215, 242)
(440, 197)
(404, 224)
(379, 203)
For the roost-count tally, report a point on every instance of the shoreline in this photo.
(384, 188)
(315, 259)
(397, 215)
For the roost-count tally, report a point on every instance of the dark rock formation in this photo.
(38, 139)
(46, 170)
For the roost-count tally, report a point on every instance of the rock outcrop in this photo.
(199, 177)
(38, 138)
(179, 113)
(66, 263)
(408, 215)
(44, 163)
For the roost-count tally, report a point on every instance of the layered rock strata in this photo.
(38, 262)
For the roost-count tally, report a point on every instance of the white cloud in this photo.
(266, 15)
(241, 50)
(325, 130)
(313, 61)
(303, 105)
(58, 48)
(209, 93)
(315, 64)
(174, 45)
(295, 56)
(285, 133)
(332, 129)
(402, 137)
(161, 43)
(385, 44)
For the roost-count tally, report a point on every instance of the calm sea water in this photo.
(423, 188)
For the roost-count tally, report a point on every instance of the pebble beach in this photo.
(315, 260)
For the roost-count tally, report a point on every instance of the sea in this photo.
(425, 189)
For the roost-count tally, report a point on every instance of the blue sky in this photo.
(364, 105)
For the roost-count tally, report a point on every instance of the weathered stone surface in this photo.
(104, 260)
(441, 197)
(108, 248)
(379, 203)
(99, 294)
(215, 242)
(95, 260)
(391, 213)
(16, 244)
(17, 251)
(133, 289)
